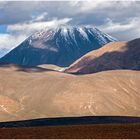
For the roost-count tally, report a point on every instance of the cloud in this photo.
(89, 5)
(12, 12)
(19, 32)
(100, 10)
(40, 17)
(31, 27)
(27, 10)
(10, 41)
(62, 9)
(119, 30)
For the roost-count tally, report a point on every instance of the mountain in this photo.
(3, 51)
(116, 55)
(60, 46)
(29, 93)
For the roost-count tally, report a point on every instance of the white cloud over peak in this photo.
(31, 27)
(21, 31)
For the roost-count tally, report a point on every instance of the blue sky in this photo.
(20, 19)
(3, 28)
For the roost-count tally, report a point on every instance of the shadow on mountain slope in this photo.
(25, 68)
(112, 56)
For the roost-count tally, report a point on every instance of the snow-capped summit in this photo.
(60, 46)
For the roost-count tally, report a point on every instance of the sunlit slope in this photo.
(39, 93)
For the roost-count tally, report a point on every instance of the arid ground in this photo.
(29, 93)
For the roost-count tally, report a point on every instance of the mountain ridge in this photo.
(112, 56)
(59, 46)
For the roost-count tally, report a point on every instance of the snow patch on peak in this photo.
(83, 33)
(64, 33)
(64, 30)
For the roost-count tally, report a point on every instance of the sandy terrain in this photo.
(27, 93)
